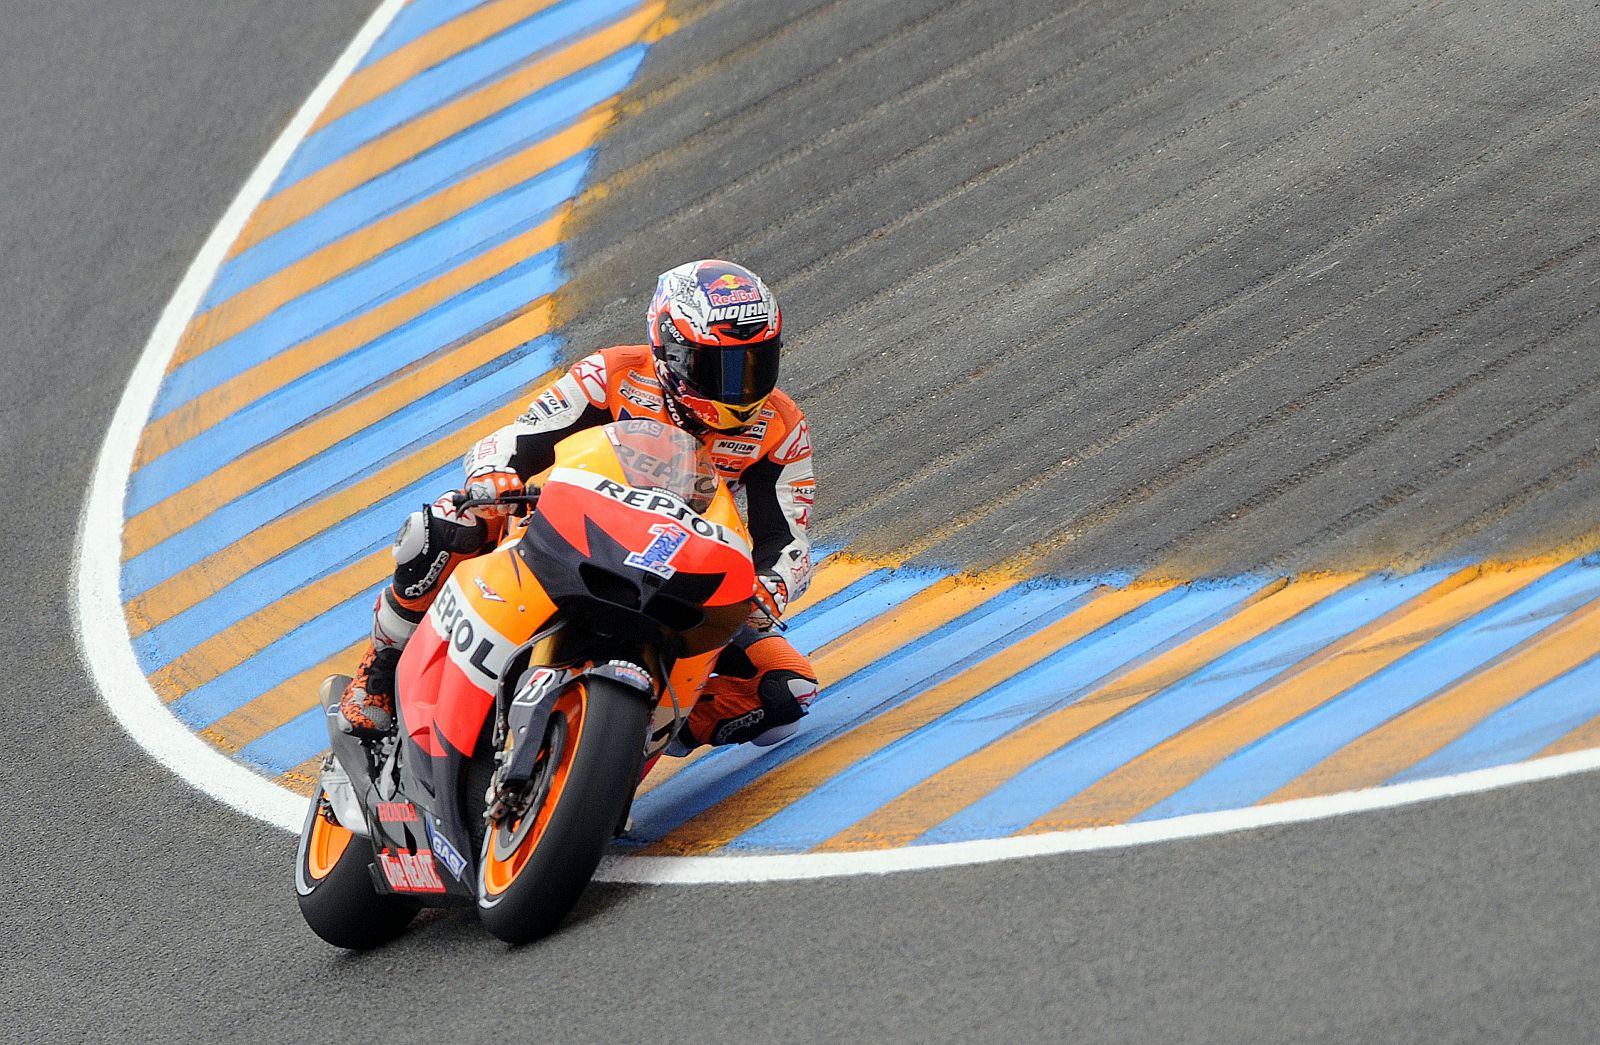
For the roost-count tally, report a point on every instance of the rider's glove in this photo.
(488, 483)
(768, 600)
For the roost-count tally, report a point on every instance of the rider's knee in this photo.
(429, 546)
(760, 693)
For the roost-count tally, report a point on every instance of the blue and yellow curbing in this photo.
(393, 295)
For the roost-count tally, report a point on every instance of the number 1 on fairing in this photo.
(667, 540)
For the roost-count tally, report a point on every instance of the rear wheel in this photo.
(535, 864)
(337, 897)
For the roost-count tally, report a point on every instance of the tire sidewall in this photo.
(598, 788)
(344, 907)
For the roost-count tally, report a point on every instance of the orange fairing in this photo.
(653, 492)
(695, 481)
(634, 489)
(572, 509)
(454, 664)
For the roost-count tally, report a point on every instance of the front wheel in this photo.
(334, 885)
(535, 864)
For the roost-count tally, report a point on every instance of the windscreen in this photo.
(657, 456)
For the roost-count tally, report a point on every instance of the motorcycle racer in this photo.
(711, 369)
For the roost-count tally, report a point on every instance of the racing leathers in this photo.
(761, 684)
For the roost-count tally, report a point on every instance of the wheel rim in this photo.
(326, 845)
(507, 838)
(509, 846)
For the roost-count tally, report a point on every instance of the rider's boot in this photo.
(367, 708)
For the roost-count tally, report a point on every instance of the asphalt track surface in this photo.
(1451, 177)
(1196, 288)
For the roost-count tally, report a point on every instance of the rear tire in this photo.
(333, 881)
(526, 887)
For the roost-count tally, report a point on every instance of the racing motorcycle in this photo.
(547, 673)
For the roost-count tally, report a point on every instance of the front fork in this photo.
(521, 726)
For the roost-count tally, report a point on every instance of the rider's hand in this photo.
(768, 600)
(488, 483)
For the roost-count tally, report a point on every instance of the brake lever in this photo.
(463, 503)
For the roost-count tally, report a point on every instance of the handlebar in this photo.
(466, 504)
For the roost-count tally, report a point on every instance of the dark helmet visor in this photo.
(735, 374)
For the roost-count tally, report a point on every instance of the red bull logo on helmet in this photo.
(731, 289)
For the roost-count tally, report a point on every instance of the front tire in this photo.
(334, 885)
(531, 874)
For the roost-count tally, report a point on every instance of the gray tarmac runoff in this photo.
(1193, 288)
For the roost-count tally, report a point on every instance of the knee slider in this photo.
(393, 624)
(785, 697)
(412, 541)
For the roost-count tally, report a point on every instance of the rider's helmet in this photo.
(714, 332)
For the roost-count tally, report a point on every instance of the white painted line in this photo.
(103, 633)
(102, 627)
(698, 870)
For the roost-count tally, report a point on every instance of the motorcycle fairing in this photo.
(577, 505)
(578, 548)
(477, 634)
(461, 654)
(410, 871)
